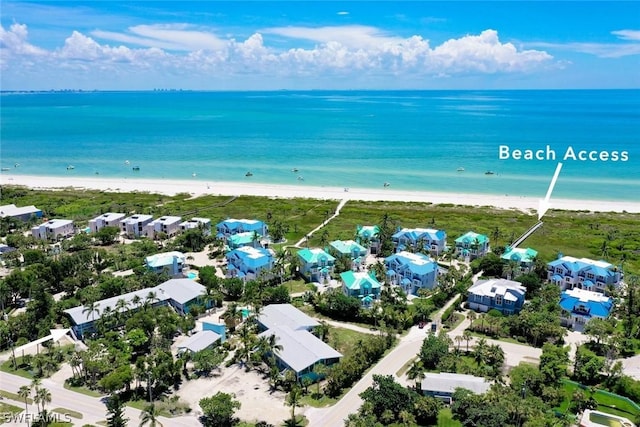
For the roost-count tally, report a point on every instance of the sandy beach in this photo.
(197, 188)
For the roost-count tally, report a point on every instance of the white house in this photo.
(109, 219)
(135, 225)
(506, 296)
(172, 263)
(53, 229)
(568, 272)
(169, 225)
(203, 223)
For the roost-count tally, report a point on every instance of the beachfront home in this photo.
(472, 245)
(203, 224)
(53, 229)
(363, 285)
(525, 259)
(165, 226)
(411, 271)
(420, 240)
(172, 263)
(569, 272)
(351, 249)
(135, 225)
(247, 262)
(579, 306)
(232, 226)
(316, 265)
(247, 238)
(442, 385)
(24, 213)
(109, 219)
(181, 294)
(301, 350)
(368, 236)
(506, 296)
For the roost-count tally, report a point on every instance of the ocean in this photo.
(443, 141)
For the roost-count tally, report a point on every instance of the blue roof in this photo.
(557, 277)
(250, 256)
(420, 233)
(599, 268)
(596, 304)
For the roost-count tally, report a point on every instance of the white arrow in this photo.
(544, 204)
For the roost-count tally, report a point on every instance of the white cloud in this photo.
(602, 50)
(170, 37)
(343, 13)
(353, 51)
(633, 35)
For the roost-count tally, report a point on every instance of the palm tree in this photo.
(322, 331)
(42, 396)
(24, 393)
(293, 400)
(91, 309)
(480, 352)
(122, 306)
(416, 372)
(150, 416)
(268, 347)
(495, 235)
(321, 370)
(466, 335)
(458, 339)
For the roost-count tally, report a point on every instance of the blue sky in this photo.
(264, 45)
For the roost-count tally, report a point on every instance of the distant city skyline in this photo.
(309, 45)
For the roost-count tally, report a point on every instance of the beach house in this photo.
(524, 258)
(350, 249)
(181, 294)
(232, 226)
(246, 238)
(579, 306)
(24, 213)
(165, 226)
(301, 350)
(171, 263)
(472, 245)
(568, 272)
(420, 240)
(199, 341)
(360, 284)
(506, 296)
(368, 236)
(316, 265)
(248, 263)
(109, 219)
(53, 229)
(203, 224)
(442, 385)
(135, 225)
(411, 271)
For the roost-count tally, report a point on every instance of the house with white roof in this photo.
(506, 296)
(301, 350)
(472, 245)
(24, 213)
(135, 225)
(232, 226)
(351, 249)
(247, 262)
(202, 223)
(419, 240)
(525, 258)
(362, 285)
(579, 306)
(568, 272)
(411, 271)
(169, 225)
(199, 341)
(442, 385)
(173, 263)
(368, 236)
(53, 229)
(109, 219)
(181, 294)
(316, 265)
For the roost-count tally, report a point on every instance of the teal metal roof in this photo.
(359, 280)
(315, 255)
(347, 247)
(471, 237)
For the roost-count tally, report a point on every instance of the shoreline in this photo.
(199, 188)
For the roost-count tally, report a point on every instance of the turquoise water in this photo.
(414, 140)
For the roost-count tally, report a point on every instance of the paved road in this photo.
(92, 408)
(406, 350)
